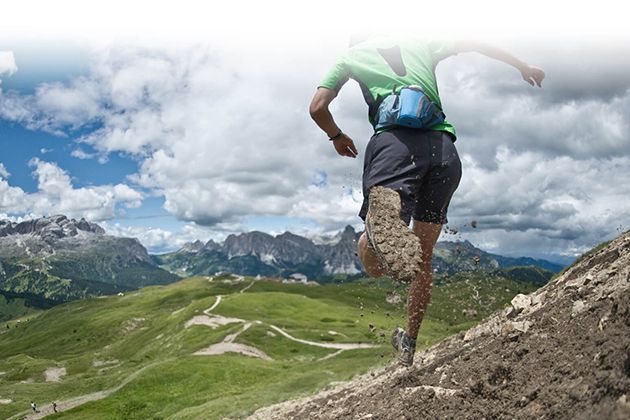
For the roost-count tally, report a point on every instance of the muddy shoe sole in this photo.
(397, 248)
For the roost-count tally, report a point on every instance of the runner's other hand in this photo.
(532, 74)
(345, 146)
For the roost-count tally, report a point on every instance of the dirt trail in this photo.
(214, 305)
(247, 287)
(338, 346)
(227, 345)
(562, 352)
(46, 409)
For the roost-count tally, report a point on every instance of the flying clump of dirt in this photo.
(561, 352)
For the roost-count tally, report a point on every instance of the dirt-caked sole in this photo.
(397, 248)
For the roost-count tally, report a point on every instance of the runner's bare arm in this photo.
(324, 119)
(531, 74)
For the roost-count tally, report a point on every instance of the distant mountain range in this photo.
(54, 259)
(255, 253)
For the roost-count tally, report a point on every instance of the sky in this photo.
(171, 122)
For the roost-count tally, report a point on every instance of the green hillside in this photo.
(42, 284)
(12, 306)
(131, 356)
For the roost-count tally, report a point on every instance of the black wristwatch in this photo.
(336, 136)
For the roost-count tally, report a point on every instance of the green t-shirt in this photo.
(384, 65)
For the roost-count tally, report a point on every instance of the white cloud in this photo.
(11, 198)
(54, 107)
(3, 171)
(330, 208)
(159, 240)
(491, 106)
(82, 154)
(7, 63)
(223, 135)
(74, 105)
(204, 125)
(555, 202)
(150, 237)
(56, 195)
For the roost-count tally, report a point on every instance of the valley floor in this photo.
(215, 347)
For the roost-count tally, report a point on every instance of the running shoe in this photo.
(405, 347)
(397, 248)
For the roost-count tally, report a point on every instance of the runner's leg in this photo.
(368, 258)
(420, 289)
(433, 198)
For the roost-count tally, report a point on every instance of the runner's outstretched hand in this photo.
(345, 146)
(532, 74)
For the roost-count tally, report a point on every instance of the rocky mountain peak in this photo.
(341, 257)
(193, 246)
(296, 240)
(49, 228)
(348, 234)
(253, 236)
(250, 243)
(288, 236)
(212, 246)
(56, 235)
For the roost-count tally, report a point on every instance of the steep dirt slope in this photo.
(561, 352)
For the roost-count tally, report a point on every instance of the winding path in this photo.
(338, 346)
(247, 287)
(68, 404)
(227, 345)
(214, 305)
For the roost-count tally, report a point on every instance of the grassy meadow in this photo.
(131, 356)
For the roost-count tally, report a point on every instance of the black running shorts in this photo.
(422, 165)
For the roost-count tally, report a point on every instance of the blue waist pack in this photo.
(410, 107)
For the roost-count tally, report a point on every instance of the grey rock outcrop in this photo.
(289, 250)
(49, 228)
(341, 257)
(286, 247)
(48, 236)
(212, 246)
(193, 247)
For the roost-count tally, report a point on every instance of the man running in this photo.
(408, 172)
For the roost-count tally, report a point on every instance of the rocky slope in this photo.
(562, 352)
(54, 259)
(254, 253)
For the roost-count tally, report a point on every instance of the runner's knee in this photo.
(370, 262)
(362, 245)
